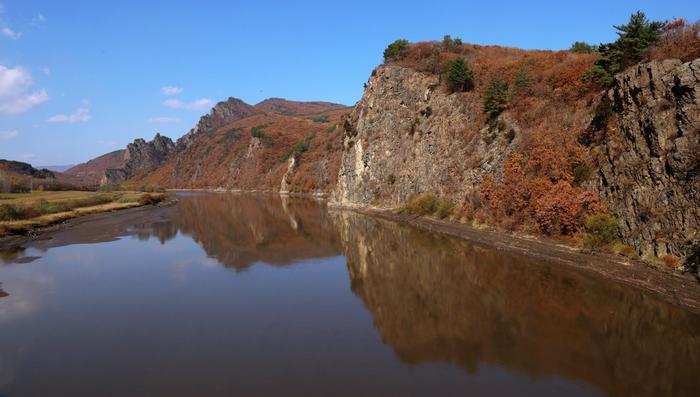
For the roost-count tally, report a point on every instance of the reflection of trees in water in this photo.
(239, 230)
(435, 299)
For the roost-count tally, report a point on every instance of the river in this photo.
(226, 294)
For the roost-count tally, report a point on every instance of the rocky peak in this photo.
(222, 113)
(139, 157)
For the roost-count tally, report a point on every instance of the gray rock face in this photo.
(139, 157)
(649, 163)
(221, 114)
(406, 137)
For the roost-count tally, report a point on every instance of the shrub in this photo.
(331, 129)
(320, 119)
(496, 97)
(679, 40)
(444, 208)
(302, 146)
(459, 76)
(450, 44)
(148, 199)
(628, 252)
(395, 50)
(670, 261)
(9, 212)
(582, 47)
(423, 204)
(258, 131)
(521, 81)
(601, 229)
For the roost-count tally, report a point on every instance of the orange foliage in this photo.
(680, 40)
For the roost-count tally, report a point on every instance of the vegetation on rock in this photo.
(459, 76)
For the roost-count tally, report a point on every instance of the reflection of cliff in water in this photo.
(239, 230)
(3, 293)
(435, 299)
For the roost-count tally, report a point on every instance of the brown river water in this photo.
(247, 295)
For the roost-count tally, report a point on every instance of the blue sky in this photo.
(82, 78)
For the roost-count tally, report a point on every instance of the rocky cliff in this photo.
(649, 161)
(634, 149)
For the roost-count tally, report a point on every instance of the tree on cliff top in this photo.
(635, 39)
(395, 50)
(459, 76)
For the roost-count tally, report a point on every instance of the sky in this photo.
(82, 78)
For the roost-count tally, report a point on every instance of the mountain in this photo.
(294, 108)
(93, 171)
(56, 168)
(527, 146)
(259, 151)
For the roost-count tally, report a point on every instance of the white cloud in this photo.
(27, 156)
(16, 93)
(163, 120)
(196, 105)
(7, 135)
(46, 70)
(7, 32)
(81, 115)
(171, 90)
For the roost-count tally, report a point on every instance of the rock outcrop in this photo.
(222, 113)
(406, 136)
(649, 162)
(140, 157)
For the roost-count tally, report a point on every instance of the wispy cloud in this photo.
(196, 105)
(163, 120)
(38, 19)
(7, 32)
(80, 115)
(7, 135)
(27, 156)
(16, 94)
(46, 70)
(171, 90)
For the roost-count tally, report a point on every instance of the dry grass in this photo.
(28, 198)
(121, 200)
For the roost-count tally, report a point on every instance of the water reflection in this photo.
(239, 230)
(432, 300)
(437, 299)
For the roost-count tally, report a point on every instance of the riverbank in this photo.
(42, 212)
(679, 289)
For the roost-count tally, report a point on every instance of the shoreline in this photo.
(679, 289)
(10, 241)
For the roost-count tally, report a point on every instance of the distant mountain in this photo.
(56, 168)
(275, 130)
(18, 168)
(294, 108)
(92, 172)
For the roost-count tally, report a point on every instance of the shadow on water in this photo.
(440, 300)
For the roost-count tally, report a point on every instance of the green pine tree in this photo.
(459, 76)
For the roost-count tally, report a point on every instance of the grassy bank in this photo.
(22, 212)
